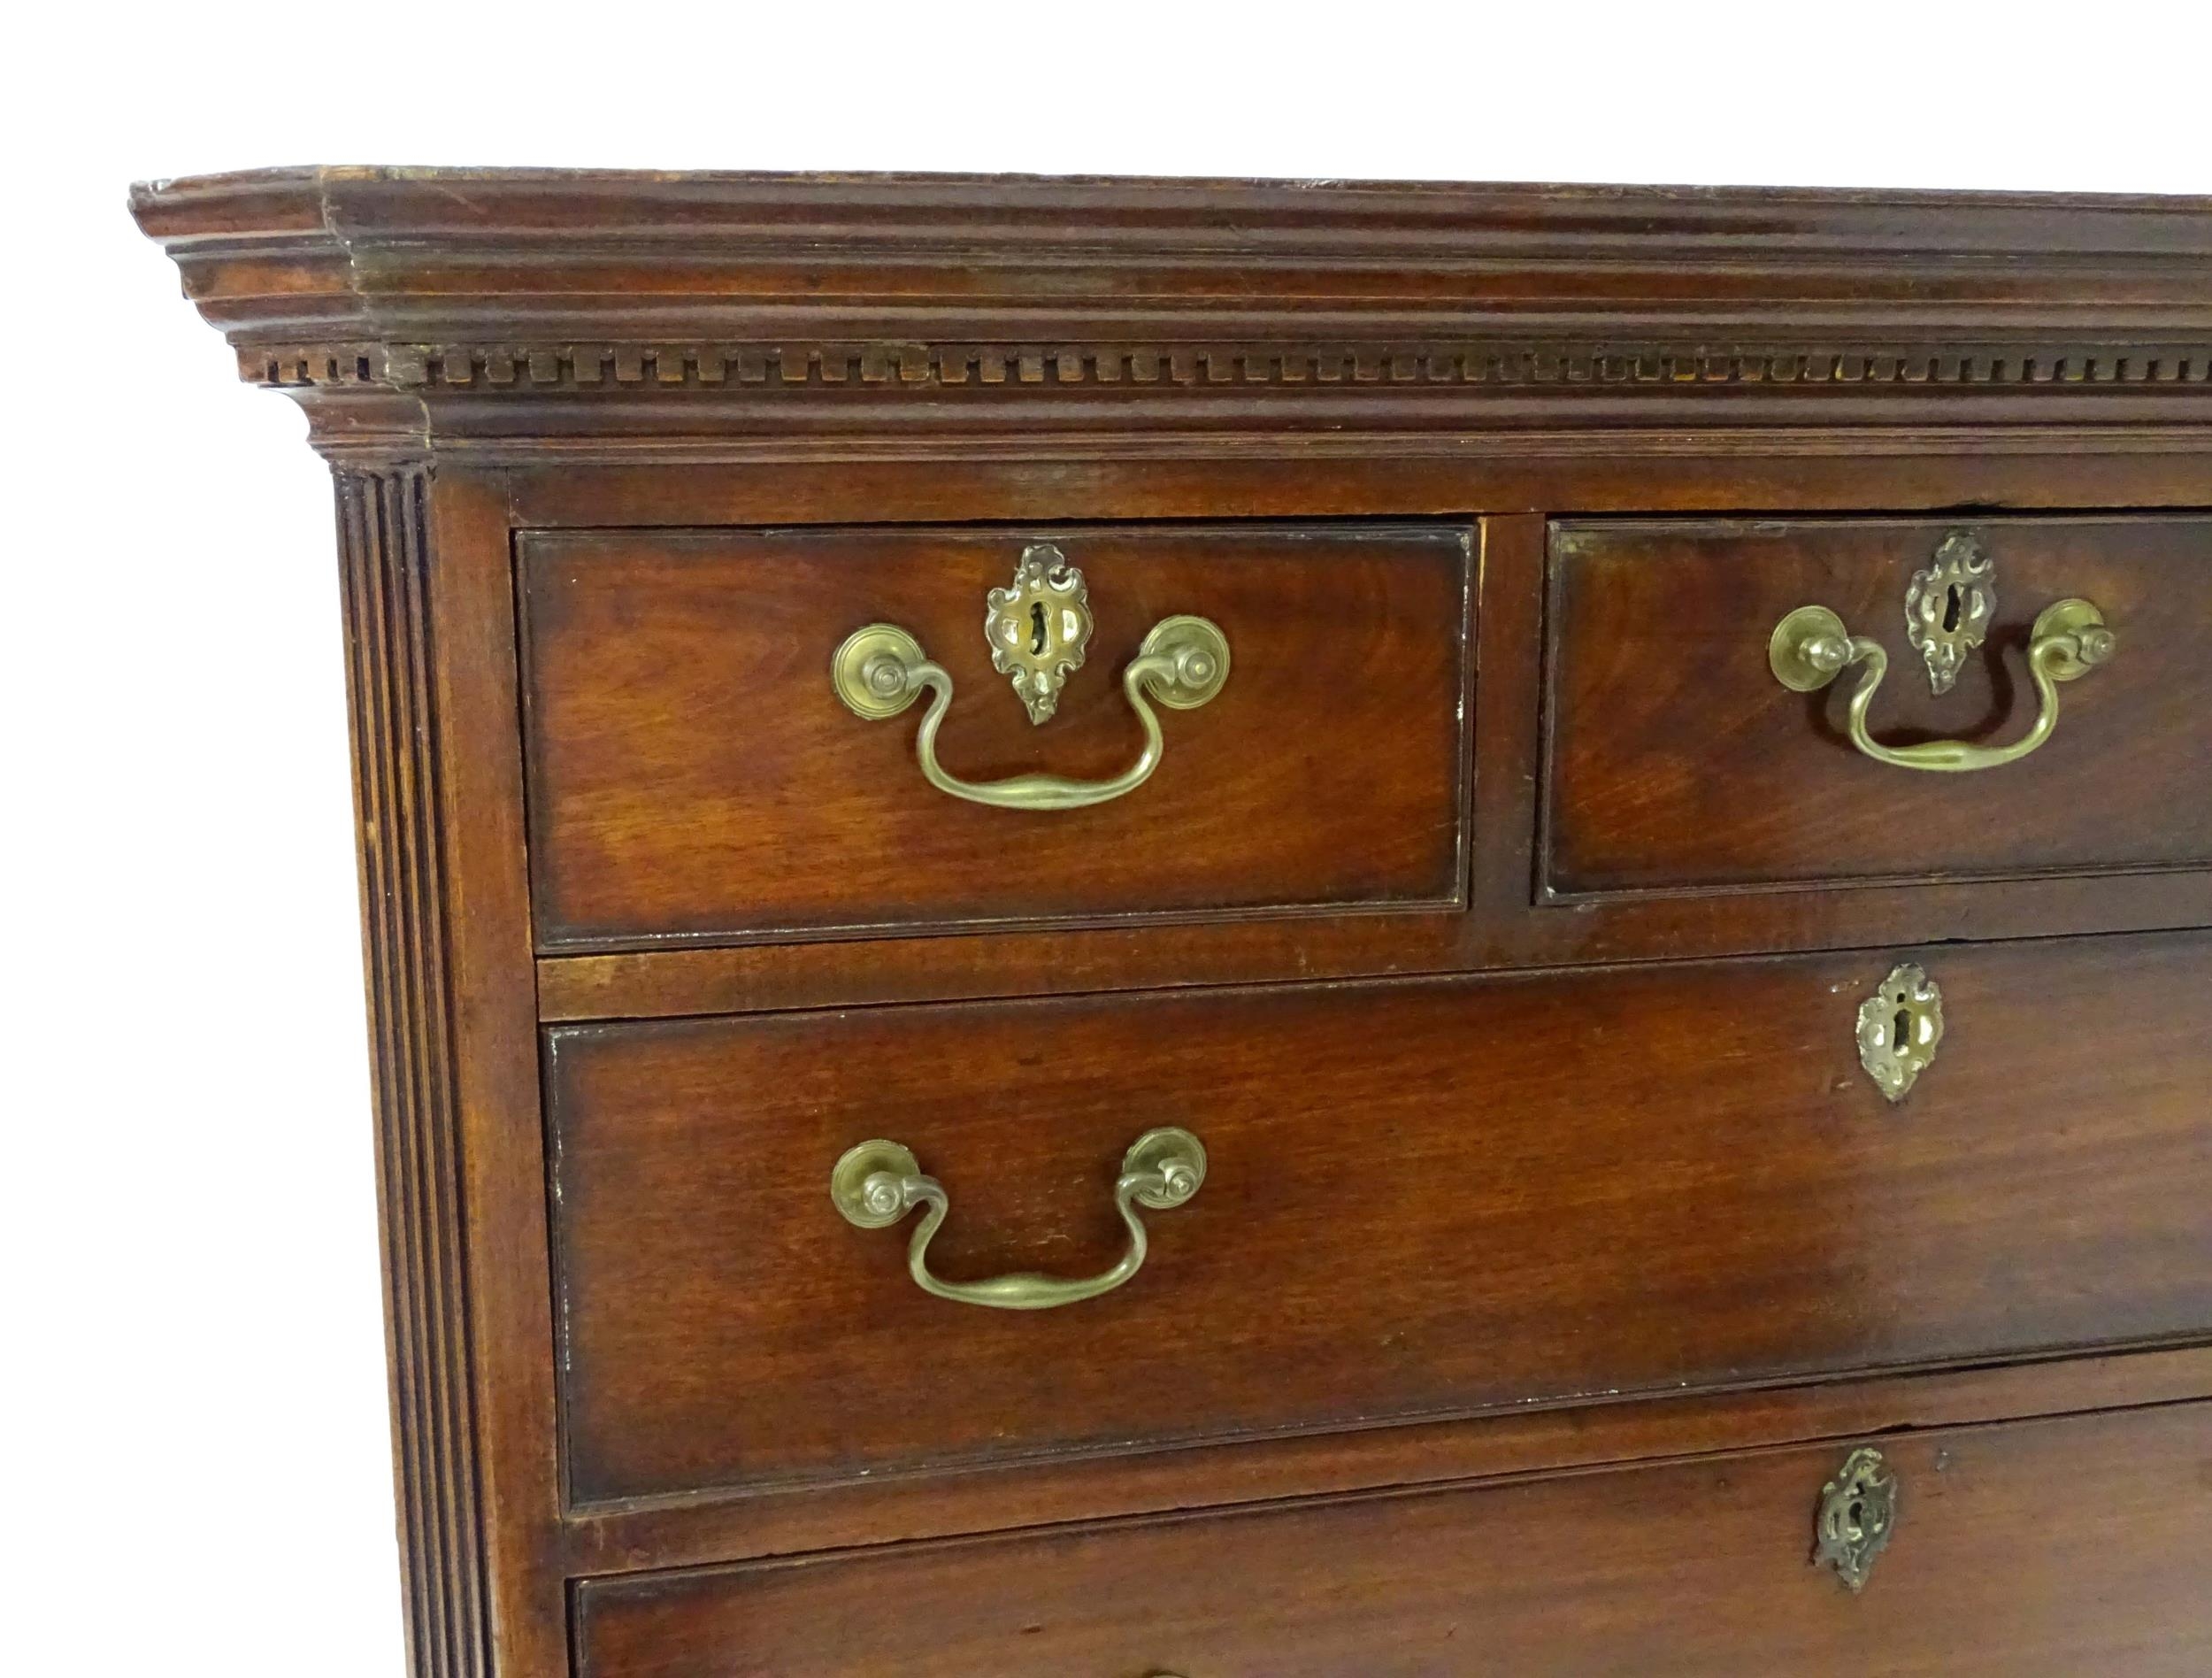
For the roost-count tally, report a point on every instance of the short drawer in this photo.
(1676, 759)
(1420, 1198)
(2057, 1548)
(694, 777)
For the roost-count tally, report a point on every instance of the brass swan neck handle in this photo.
(876, 1183)
(881, 670)
(1810, 647)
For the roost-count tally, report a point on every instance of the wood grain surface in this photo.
(694, 777)
(1677, 760)
(2038, 1550)
(623, 456)
(1426, 1197)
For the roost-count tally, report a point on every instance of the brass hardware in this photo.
(881, 670)
(1810, 647)
(1949, 604)
(1900, 1026)
(1858, 1511)
(878, 1183)
(1039, 628)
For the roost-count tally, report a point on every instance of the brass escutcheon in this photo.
(1900, 1026)
(1857, 1514)
(1948, 605)
(1038, 627)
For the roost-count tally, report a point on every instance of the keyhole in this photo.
(1037, 629)
(1900, 1031)
(1952, 606)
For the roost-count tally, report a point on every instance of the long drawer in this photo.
(2060, 1548)
(1420, 1198)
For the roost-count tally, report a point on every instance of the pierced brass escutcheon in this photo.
(1948, 606)
(1039, 628)
(880, 669)
(876, 1183)
(1857, 1514)
(1947, 610)
(1900, 1026)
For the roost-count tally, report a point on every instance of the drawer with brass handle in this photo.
(722, 740)
(1706, 729)
(1065, 881)
(1419, 1199)
(2037, 1548)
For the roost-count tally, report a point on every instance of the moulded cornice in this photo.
(899, 292)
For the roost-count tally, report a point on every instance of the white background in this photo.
(198, 1475)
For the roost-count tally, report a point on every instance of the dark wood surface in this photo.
(1507, 923)
(383, 521)
(721, 479)
(1602, 1431)
(1425, 1197)
(493, 356)
(1064, 961)
(694, 777)
(512, 307)
(1677, 760)
(2058, 1548)
(430, 668)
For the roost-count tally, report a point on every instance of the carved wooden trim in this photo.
(585, 366)
(401, 808)
(1136, 302)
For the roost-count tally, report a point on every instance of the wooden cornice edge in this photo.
(479, 284)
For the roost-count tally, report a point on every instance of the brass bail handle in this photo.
(1038, 628)
(881, 670)
(878, 1183)
(1810, 647)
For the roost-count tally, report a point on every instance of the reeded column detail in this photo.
(400, 807)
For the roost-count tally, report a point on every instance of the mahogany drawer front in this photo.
(692, 776)
(1424, 1197)
(2062, 1548)
(1676, 759)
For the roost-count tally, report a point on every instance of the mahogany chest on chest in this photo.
(1158, 929)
